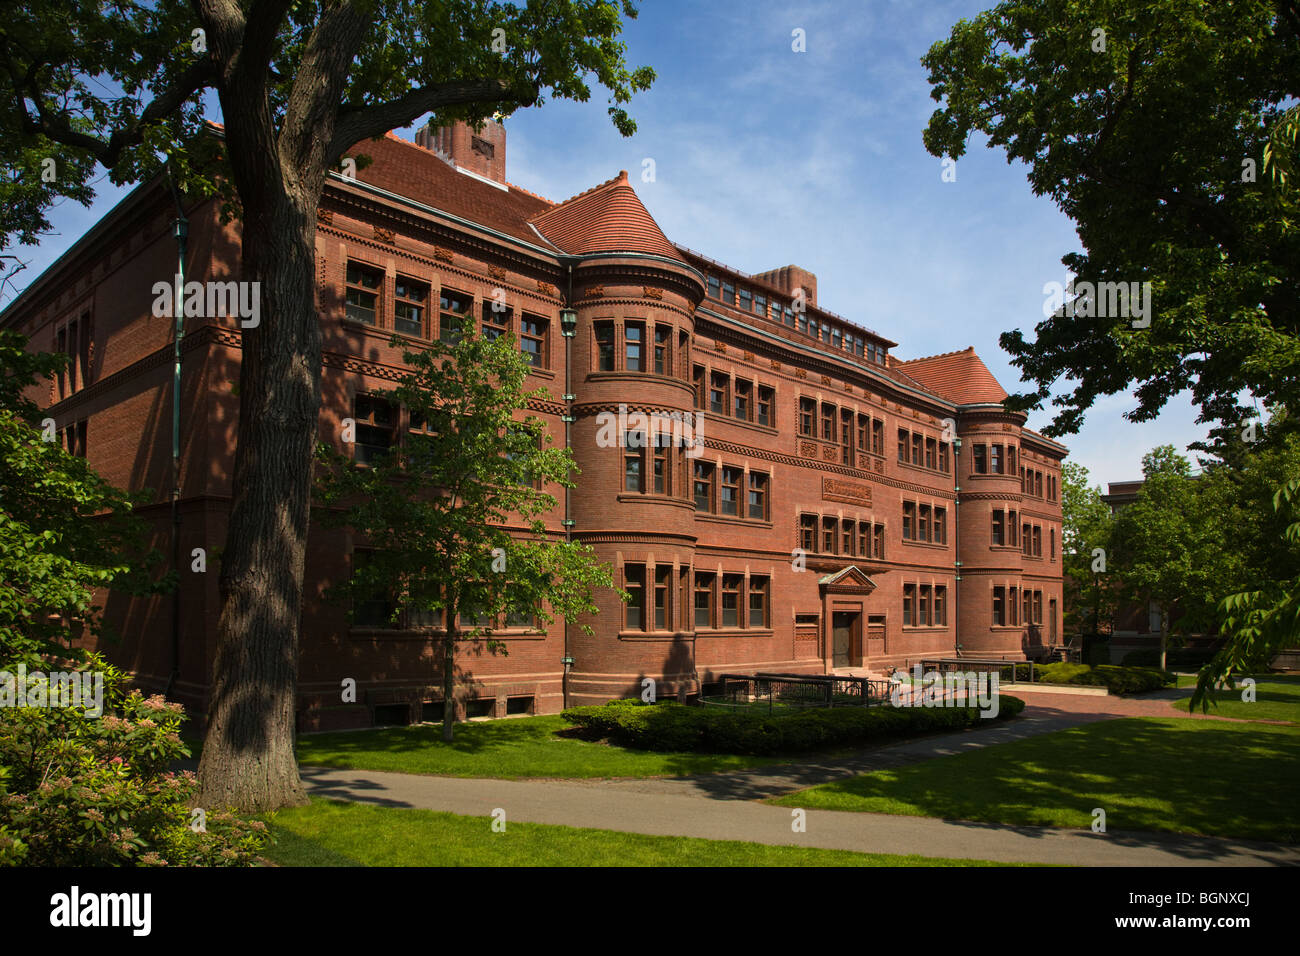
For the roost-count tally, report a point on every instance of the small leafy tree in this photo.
(455, 513)
(1169, 545)
(1086, 525)
(64, 531)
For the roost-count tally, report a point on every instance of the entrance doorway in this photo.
(846, 639)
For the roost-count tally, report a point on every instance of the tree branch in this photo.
(366, 122)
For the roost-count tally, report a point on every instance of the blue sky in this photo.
(765, 157)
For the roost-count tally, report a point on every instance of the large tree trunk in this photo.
(248, 754)
(1164, 634)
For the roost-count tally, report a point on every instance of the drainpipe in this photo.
(568, 328)
(181, 231)
(956, 544)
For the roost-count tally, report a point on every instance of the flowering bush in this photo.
(79, 790)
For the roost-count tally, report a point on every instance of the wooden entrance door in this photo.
(843, 633)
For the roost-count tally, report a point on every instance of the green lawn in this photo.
(510, 748)
(1170, 774)
(337, 833)
(1277, 697)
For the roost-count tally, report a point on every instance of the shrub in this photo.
(1116, 678)
(79, 790)
(676, 727)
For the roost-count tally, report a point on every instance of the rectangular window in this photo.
(941, 525)
(1026, 539)
(703, 486)
(923, 618)
(808, 533)
(634, 339)
(1038, 607)
(916, 449)
(807, 412)
(923, 523)
(909, 520)
(904, 442)
(878, 552)
(746, 300)
(663, 597)
(848, 537)
(697, 376)
(846, 436)
(1038, 541)
(909, 605)
(744, 392)
(532, 339)
(453, 307)
(940, 605)
(1013, 528)
(864, 540)
(375, 422)
(878, 436)
(1013, 605)
(662, 464)
(943, 457)
(758, 591)
(719, 386)
(605, 346)
(704, 599)
(728, 293)
(760, 305)
(634, 585)
(979, 459)
(837, 339)
(495, 323)
(362, 293)
(766, 399)
(663, 350)
(931, 453)
(864, 432)
(374, 609)
(995, 459)
(828, 422)
(634, 461)
(999, 607)
(999, 526)
(830, 535)
(731, 600)
(713, 287)
(730, 497)
(1038, 484)
(757, 495)
(410, 299)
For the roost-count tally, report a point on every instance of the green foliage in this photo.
(83, 790)
(1117, 679)
(676, 727)
(1086, 524)
(1146, 145)
(64, 531)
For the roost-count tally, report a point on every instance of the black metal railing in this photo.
(798, 690)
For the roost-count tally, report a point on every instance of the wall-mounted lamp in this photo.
(568, 323)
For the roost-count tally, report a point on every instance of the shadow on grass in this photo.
(1212, 778)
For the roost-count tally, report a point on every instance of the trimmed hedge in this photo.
(1196, 657)
(1117, 679)
(676, 727)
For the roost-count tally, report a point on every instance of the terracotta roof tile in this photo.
(414, 172)
(606, 218)
(960, 377)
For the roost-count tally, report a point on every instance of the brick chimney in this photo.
(483, 153)
(789, 278)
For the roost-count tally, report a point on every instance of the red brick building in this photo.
(847, 508)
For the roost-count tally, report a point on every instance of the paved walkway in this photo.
(725, 806)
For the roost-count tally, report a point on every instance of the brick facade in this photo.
(813, 433)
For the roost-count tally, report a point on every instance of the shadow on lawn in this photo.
(1213, 778)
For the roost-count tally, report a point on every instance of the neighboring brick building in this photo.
(819, 528)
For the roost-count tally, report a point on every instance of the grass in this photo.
(1166, 774)
(337, 833)
(1277, 697)
(508, 749)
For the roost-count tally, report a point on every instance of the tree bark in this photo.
(1164, 633)
(449, 674)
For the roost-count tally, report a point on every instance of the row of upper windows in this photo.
(73, 339)
(869, 435)
(410, 312)
(383, 608)
(925, 605)
(925, 523)
(1006, 532)
(716, 600)
(1031, 483)
(1013, 607)
(822, 330)
(922, 451)
(718, 490)
(638, 353)
(734, 397)
(828, 534)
